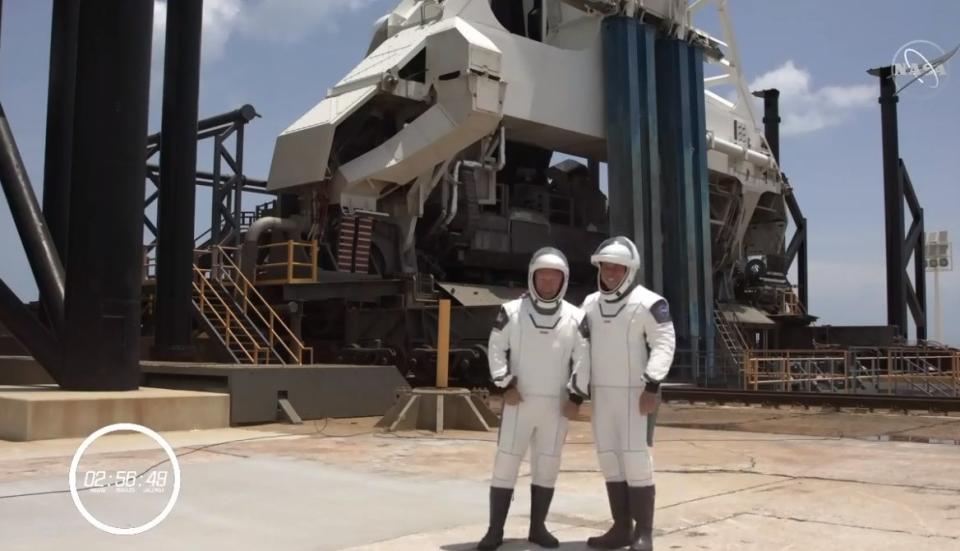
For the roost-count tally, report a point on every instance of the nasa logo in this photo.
(921, 62)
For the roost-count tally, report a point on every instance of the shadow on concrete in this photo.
(514, 544)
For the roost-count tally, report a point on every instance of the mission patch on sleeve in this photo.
(502, 319)
(661, 311)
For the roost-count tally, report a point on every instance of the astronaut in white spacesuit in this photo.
(535, 347)
(632, 345)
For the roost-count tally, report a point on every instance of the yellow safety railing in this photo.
(956, 370)
(931, 370)
(253, 303)
(229, 320)
(288, 270)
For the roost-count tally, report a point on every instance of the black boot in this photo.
(619, 534)
(540, 498)
(499, 505)
(641, 509)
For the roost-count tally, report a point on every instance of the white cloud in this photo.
(159, 33)
(787, 78)
(278, 21)
(220, 17)
(805, 108)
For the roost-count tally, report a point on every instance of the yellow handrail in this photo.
(267, 323)
(282, 244)
(285, 271)
(226, 323)
(275, 264)
(248, 289)
(205, 284)
(910, 366)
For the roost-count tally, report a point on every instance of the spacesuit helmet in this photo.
(548, 258)
(617, 250)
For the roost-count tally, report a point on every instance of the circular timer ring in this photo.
(76, 495)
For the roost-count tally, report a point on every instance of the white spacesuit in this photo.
(632, 346)
(535, 347)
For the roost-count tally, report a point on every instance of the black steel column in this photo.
(37, 243)
(60, 98)
(916, 296)
(771, 119)
(238, 186)
(893, 203)
(178, 175)
(803, 281)
(217, 194)
(798, 245)
(920, 280)
(102, 332)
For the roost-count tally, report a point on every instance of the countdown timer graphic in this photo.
(125, 490)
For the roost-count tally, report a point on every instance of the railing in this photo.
(289, 270)
(150, 255)
(931, 372)
(786, 370)
(790, 304)
(279, 333)
(265, 209)
(201, 284)
(247, 218)
(149, 262)
(927, 372)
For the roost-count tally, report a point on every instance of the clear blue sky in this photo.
(282, 55)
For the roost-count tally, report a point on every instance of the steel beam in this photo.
(178, 174)
(59, 142)
(102, 329)
(893, 203)
(37, 242)
(630, 99)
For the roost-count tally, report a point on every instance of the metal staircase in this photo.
(865, 371)
(731, 337)
(235, 314)
(735, 347)
(923, 369)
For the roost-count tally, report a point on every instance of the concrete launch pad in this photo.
(313, 391)
(342, 484)
(201, 395)
(44, 411)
